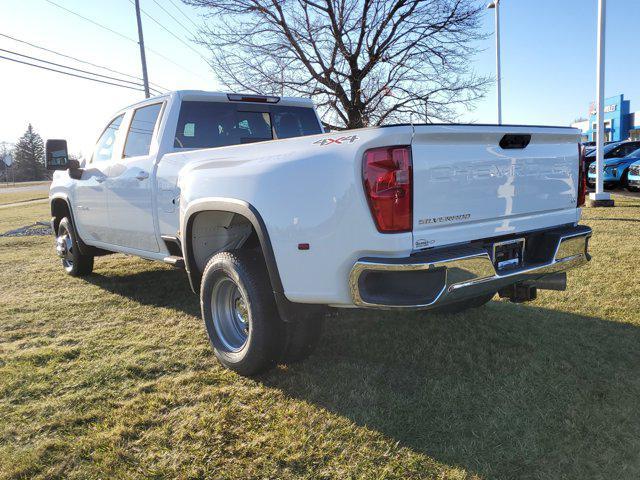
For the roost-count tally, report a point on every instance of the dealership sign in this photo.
(607, 108)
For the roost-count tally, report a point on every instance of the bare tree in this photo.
(364, 62)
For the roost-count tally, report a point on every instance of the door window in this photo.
(141, 130)
(104, 147)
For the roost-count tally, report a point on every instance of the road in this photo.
(41, 187)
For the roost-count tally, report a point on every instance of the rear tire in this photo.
(74, 263)
(240, 313)
(463, 305)
(302, 336)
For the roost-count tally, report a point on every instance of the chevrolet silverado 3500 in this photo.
(275, 220)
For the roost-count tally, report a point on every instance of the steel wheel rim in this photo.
(230, 314)
(64, 248)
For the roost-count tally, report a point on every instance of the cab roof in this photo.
(226, 97)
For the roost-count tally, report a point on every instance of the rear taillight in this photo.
(582, 176)
(388, 182)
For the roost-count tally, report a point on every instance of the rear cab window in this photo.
(203, 124)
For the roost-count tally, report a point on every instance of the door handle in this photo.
(101, 179)
(142, 175)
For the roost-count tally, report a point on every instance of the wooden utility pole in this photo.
(143, 58)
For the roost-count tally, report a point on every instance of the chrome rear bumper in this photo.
(457, 273)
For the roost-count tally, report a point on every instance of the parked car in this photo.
(591, 144)
(273, 233)
(613, 150)
(616, 170)
(633, 180)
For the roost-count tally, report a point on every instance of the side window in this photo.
(631, 147)
(141, 130)
(104, 147)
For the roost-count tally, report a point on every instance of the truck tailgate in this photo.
(467, 187)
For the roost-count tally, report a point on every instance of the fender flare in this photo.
(84, 249)
(239, 207)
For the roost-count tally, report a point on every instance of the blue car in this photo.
(613, 150)
(616, 170)
(633, 178)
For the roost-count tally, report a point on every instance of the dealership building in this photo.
(619, 122)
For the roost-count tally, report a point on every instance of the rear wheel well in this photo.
(213, 231)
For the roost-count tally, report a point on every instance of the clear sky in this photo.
(548, 62)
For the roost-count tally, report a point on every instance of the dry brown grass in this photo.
(16, 197)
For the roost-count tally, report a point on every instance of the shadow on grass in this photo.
(160, 287)
(505, 391)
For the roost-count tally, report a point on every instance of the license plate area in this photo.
(508, 255)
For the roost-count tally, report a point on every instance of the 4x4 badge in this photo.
(340, 140)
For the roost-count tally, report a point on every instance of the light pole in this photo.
(600, 198)
(495, 4)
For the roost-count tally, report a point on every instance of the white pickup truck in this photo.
(274, 220)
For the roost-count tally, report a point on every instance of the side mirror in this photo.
(57, 156)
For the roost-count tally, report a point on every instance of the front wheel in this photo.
(240, 313)
(74, 263)
(624, 179)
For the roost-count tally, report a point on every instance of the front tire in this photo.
(240, 313)
(74, 263)
(624, 179)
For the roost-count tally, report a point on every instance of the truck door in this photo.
(130, 187)
(90, 205)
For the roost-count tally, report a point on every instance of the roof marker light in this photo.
(241, 97)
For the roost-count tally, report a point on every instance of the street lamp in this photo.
(600, 198)
(495, 5)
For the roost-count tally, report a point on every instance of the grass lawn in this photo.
(15, 197)
(112, 377)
